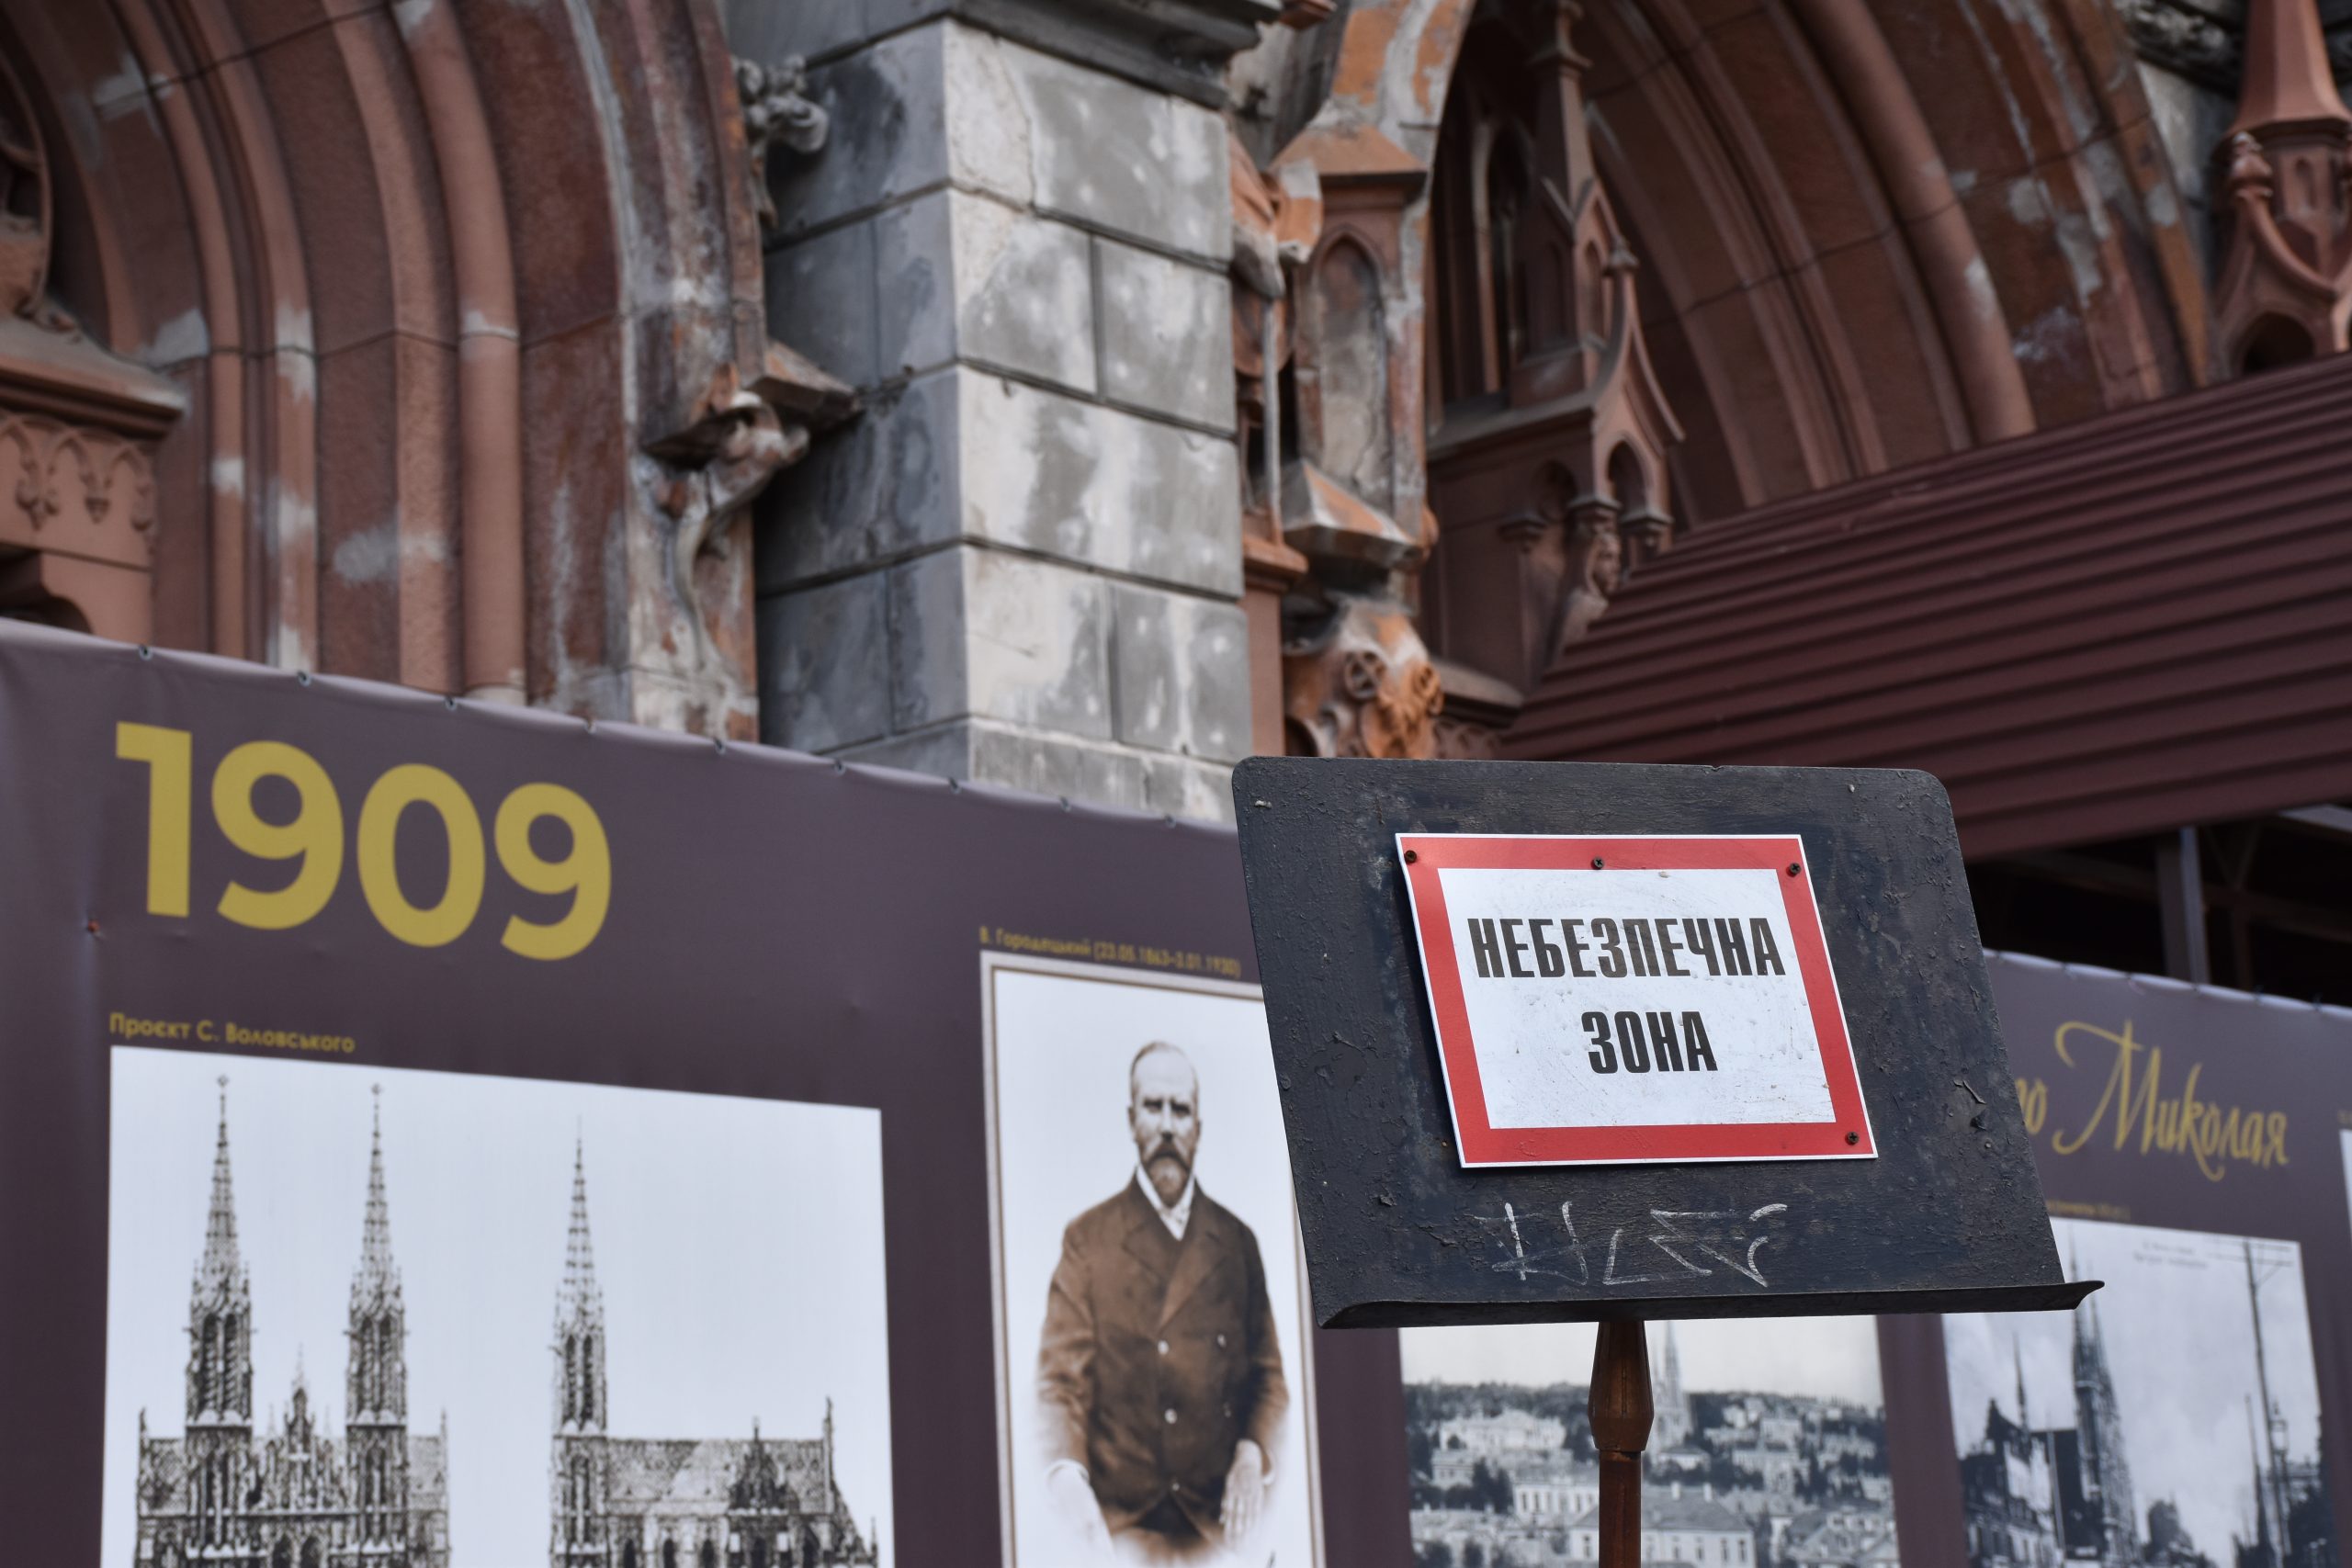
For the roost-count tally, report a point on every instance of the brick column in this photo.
(1023, 563)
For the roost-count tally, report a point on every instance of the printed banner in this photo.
(442, 1136)
(2192, 1151)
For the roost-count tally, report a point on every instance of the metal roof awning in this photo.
(2131, 624)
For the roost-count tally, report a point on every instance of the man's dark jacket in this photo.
(1159, 1357)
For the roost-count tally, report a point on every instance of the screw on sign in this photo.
(1640, 1043)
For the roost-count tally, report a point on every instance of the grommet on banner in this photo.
(839, 766)
(954, 786)
(145, 651)
(302, 677)
(719, 741)
(451, 703)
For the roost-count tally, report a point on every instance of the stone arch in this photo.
(2272, 341)
(1630, 485)
(1844, 270)
(356, 241)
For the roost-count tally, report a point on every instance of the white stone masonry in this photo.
(1021, 563)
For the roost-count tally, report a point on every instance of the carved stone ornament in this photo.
(742, 435)
(82, 474)
(1596, 569)
(1363, 686)
(1556, 432)
(777, 112)
(2286, 285)
(77, 425)
(2181, 38)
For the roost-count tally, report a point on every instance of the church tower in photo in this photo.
(675, 1502)
(290, 1496)
(217, 1453)
(578, 1470)
(2098, 1425)
(1673, 1423)
(375, 1387)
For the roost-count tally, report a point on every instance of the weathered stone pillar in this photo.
(1023, 564)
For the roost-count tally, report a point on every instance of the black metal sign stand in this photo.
(1410, 1214)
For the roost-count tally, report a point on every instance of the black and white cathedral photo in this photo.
(392, 1347)
(2171, 1420)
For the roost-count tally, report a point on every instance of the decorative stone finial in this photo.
(2286, 285)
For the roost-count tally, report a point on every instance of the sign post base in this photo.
(1619, 1407)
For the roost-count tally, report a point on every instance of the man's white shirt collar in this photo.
(1176, 1219)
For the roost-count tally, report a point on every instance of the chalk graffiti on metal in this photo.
(1696, 1242)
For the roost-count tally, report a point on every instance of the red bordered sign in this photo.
(1605, 1000)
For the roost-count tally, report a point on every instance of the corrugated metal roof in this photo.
(2123, 625)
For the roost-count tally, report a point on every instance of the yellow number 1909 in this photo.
(315, 839)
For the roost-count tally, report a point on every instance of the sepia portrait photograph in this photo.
(1157, 1399)
(2173, 1418)
(359, 1314)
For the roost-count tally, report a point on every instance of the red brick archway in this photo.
(425, 281)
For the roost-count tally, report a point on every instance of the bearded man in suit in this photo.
(1159, 1371)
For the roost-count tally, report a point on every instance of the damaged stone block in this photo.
(1096, 485)
(822, 654)
(1099, 150)
(983, 633)
(1167, 339)
(1184, 678)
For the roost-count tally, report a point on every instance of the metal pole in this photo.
(2180, 905)
(2276, 1479)
(1619, 1405)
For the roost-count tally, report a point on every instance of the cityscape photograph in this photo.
(1767, 1448)
(2147, 1426)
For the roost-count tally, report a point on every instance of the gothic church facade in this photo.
(227, 1494)
(675, 1503)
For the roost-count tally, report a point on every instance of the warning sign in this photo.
(1620, 999)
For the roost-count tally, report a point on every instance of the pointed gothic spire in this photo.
(2285, 289)
(579, 1297)
(378, 1275)
(2016, 1354)
(220, 1266)
(2286, 80)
